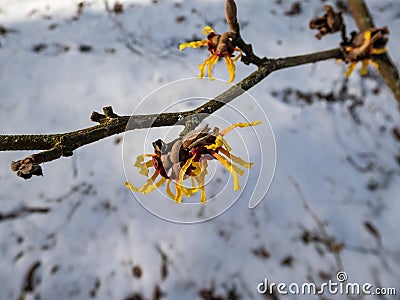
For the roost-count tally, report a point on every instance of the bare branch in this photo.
(125, 35)
(332, 246)
(29, 283)
(58, 145)
(22, 212)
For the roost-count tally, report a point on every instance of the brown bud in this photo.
(231, 15)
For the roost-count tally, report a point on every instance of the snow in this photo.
(97, 231)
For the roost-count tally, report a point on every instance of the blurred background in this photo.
(333, 204)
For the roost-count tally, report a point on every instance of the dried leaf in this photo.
(330, 22)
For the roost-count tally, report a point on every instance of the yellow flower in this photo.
(219, 46)
(188, 158)
(362, 48)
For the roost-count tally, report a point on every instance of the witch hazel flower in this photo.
(187, 159)
(219, 46)
(363, 47)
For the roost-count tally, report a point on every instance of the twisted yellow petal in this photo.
(207, 30)
(148, 186)
(367, 36)
(190, 191)
(143, 166)
(350, 69)
(168, 190)
(240, 124)
(219, 142)
(231, 168)
(373, 63)
(194, 44)
(201, 179)
(211, 64)
(236, 159)
(178, 193)
(231, 68)
(152, 187)
(204, 65)
(179, 184)
(364, 64)
(378, 50)
(239, 55)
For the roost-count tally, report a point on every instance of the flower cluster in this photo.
(188, 158)
(219, 45)
(363, 46)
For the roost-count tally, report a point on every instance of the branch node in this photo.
(109, 113)
(97, 117)
(100, 118)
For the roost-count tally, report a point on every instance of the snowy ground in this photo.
(58, 65)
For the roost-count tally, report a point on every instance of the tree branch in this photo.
(23, 211)
(58, 145)
(364, 20)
